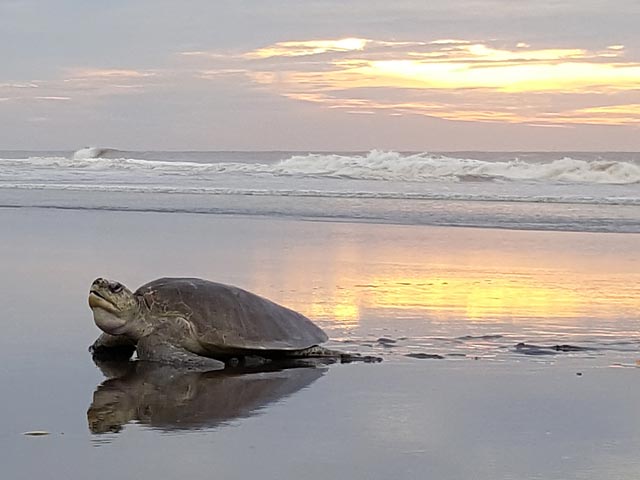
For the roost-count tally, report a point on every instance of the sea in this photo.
(565, 191)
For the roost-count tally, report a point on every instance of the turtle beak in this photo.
(99, 294)
(98, 301)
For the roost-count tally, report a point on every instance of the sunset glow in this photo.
(453, 79)
(419, 76)
(552, 77)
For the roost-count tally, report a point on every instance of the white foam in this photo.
(425, 167)
(450, 196)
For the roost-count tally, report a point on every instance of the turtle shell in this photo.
(228, 319)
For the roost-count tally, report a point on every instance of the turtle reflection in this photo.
(168, 398)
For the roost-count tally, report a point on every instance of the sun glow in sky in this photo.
(457, 80)
(312, 47)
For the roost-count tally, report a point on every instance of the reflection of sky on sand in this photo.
(515, 417)
(444, 275)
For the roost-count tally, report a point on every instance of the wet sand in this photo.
(468, 404)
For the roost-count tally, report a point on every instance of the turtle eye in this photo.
(116, 287)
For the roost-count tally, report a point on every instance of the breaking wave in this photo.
(91, 152)
(425, 167)
(376, 165)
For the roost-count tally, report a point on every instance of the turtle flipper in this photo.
(322, 352)
(107, 347)
(155, 349)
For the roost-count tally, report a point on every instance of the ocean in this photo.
(565, 191)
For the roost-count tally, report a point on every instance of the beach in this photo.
(320, 240)
(506, 353)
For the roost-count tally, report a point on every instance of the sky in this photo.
(405, 75)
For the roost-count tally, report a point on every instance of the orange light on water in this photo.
(455, 280)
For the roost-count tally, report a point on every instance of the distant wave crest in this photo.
(90, 152)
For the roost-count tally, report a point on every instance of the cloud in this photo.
(86, 85)
(310, 47)
(112, 74)
(628, 114)
(451, 78)
(454, 79)
(105, 82)
(17, 85)
(53, 98)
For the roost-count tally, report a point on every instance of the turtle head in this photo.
(115, 307)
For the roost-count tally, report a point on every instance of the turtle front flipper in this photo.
(156, 349)
(112, 347)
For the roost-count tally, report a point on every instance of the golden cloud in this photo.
(312, 47)
(451, 79)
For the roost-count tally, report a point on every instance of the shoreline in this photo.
(319, 219)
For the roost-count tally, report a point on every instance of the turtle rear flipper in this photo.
(322, 352)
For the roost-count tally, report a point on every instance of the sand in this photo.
(485, 410)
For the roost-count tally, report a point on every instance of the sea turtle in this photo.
(201, 324)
